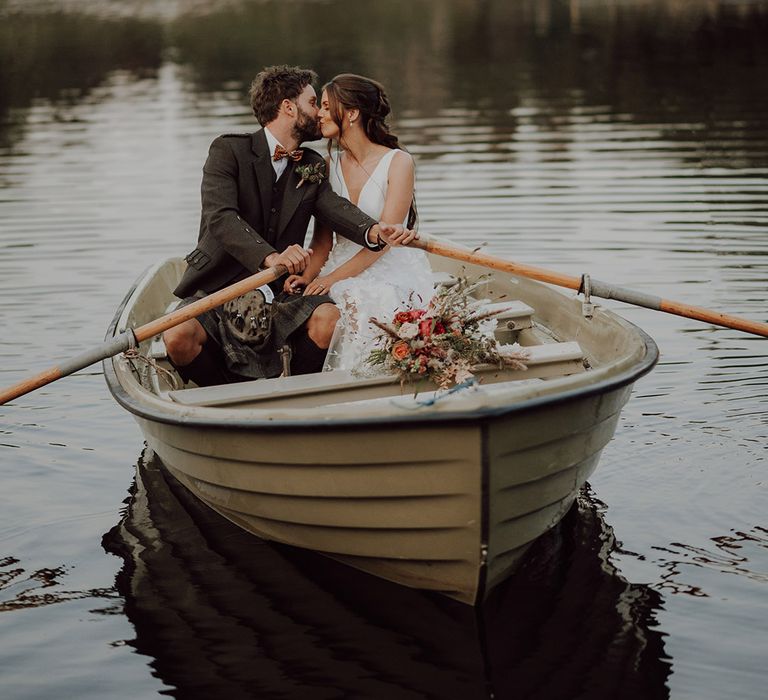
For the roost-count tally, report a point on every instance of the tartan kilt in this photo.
(244, 362)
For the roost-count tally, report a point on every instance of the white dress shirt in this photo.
(279, 166)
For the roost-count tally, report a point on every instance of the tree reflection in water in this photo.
(649, 62)
(224, 614)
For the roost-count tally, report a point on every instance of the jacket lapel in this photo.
(292, 197)
(264, 173)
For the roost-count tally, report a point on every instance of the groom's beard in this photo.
(306, 128)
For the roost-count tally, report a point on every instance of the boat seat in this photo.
(553, 360)
(544, 362)
(513, 317)
(284, 388)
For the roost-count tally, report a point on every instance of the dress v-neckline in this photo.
(365, 184)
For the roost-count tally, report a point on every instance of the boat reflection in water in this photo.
(224, 614)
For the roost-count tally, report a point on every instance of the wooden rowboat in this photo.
(436, 492)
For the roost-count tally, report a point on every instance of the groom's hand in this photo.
(294, 257)
(395, 234)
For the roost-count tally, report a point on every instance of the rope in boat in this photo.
(466, 384)
(133, 354)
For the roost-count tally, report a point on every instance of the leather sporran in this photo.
(248, 318)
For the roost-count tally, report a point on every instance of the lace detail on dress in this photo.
(399, 277)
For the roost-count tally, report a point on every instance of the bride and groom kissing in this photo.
(259, 191)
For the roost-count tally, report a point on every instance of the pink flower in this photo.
(408, 330)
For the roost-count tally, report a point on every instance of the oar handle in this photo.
(603, 290)
(123, 341)
(714, 317)
(28, 385)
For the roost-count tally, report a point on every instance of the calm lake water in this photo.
(627, 139)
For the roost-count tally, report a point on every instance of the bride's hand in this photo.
(396, 234)
(320, 285)
(295, 284)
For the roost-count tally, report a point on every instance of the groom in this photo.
(256, 208)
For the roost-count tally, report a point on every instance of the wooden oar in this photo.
(132, 336)
(603, 290)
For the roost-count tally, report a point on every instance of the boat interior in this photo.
(560, 337)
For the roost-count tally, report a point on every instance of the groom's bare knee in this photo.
(321, 324)
(184, 342)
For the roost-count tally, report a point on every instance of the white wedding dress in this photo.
(399, 278)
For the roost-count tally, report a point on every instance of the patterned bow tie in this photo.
(281, 153)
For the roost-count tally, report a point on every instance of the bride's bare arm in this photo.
(399, 188)
(396, 206)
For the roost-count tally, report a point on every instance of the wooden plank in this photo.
(262, 389)
(553, 352)
(507, 309)
(544, 361)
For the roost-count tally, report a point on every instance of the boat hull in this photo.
(455, 516)
(361, 496)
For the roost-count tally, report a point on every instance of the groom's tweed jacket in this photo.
(240, 204)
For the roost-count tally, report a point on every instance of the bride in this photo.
(367, 166)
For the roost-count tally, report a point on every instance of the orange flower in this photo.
(400, 350)
(409, 316)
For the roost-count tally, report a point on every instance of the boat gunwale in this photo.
(623, 378)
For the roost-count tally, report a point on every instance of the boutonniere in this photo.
(311, 173)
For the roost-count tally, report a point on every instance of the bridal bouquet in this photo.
(443, 341)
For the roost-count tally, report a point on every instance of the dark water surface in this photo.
(624, 139)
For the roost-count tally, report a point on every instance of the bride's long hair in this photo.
(350, 91)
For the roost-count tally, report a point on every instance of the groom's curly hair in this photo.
(275, 84)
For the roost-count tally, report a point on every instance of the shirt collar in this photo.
(271, 141)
